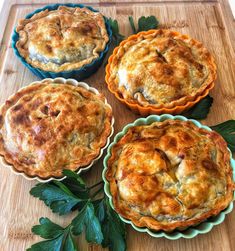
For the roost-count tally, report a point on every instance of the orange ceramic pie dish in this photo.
(160, 71)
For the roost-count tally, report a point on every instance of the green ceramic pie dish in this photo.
(190, 232)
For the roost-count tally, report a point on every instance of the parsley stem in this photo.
(95, 185)
(131, 20)
(97, 192)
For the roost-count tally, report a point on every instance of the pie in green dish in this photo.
(169, 176)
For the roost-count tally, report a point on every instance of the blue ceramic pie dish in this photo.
(190, 232)
(79, 74)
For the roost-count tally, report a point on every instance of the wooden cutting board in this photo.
(208, 21)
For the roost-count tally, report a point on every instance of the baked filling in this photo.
(161, 67)
(48, 127)
(62, 39)
(170, 175)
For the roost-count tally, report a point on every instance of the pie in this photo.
(160, 68)
(170, 175)
(48, 126)
(63, 39)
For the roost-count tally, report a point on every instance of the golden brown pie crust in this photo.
(63, 39)
(160, 68)
(170, 175)
(48, 126)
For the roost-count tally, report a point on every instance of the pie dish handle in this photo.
(190, 232)
(79, 74)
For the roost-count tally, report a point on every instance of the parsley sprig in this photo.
(117, 37)
(94, 216)
(201, 109)
(57, 237)
(144, 23)
(227, 131)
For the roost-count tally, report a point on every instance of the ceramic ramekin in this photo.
(190, 232)
(81, 169)
(79, 74)
(177, 107)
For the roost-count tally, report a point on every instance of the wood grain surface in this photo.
(208, 21)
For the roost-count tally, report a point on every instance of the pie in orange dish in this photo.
(158, 71)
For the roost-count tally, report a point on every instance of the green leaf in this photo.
(76, 185)
(147, 23)
(201, 109)
(71, 174)
(69, 244)
(227, 131)
(117, 37)
(99, 209)
(113, 229)
(47, 229)
(114, 25)
(63, 187)
(59, 239)
(60, 201)
(87, 219)
(52, 245)
(227, 126)
(131, 20)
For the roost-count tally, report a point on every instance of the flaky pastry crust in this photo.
(160, 68)
(47, 127)
(170, 175)
(63, 39)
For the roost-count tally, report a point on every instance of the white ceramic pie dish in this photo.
(81, 169)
